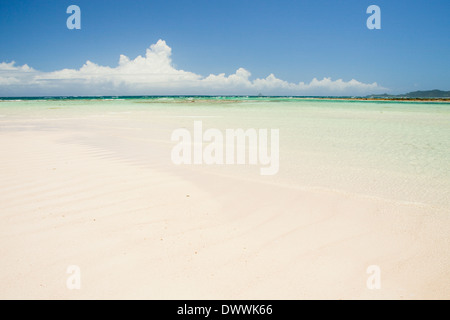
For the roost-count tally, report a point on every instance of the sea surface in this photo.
(399, 151)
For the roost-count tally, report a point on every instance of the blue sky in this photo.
(296, 41)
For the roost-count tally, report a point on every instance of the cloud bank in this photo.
(154, 74)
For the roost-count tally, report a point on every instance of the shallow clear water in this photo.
(394, 150)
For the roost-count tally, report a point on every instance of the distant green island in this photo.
(430, 94)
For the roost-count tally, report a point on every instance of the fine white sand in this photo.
(141, 231)
(91, 184)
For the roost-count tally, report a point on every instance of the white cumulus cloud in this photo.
(154, 74)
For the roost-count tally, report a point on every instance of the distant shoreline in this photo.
(225, 98)
(392, 99)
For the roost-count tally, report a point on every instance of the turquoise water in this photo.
(394, 150)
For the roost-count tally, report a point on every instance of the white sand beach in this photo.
(96, 188)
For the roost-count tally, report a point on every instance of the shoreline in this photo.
(194, 98)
